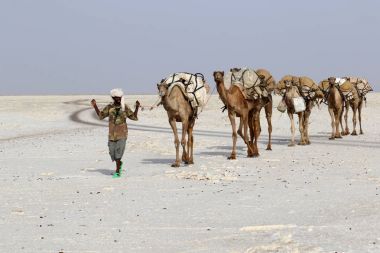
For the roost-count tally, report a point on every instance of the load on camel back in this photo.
(193, 87)
(345, 87)
(362, 86)
(306, 88)
(254, 84)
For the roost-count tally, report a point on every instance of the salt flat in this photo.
(58, 195)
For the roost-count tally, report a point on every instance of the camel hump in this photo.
(324, 85)
(193, 86)
(362, 86)
(344, 85)
(254, 85)
(267, 79)
(245, 76)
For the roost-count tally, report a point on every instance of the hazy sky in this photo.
(91, 46)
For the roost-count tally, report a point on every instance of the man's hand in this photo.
(137, 104)
(93, 102)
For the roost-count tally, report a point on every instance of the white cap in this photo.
(118, 93)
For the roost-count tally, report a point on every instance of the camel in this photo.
(237, 105)
(335, 102)
(362, 87)
(179, 109)
(299, 87)
(247, 110)
(351, 99)
(267, 103)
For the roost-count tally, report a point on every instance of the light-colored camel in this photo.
(352, 101)
(237, 105)
(365, 88)
(291, 87)
(179, 109)
(335, 102)
(354, 104)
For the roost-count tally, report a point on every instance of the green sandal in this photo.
(118, 174)
(121, 167)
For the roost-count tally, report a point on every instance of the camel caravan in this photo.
(184, 95)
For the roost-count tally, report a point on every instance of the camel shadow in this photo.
(215, 153)
(158, 161)
(222, 150)
(240, 148)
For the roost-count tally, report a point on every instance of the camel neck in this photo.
(222, 91)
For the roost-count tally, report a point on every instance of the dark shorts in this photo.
(116, 149)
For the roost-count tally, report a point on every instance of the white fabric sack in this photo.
(299, 104)
(246, 77)
(282, 106)
(195, 91)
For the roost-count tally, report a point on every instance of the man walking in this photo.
(117, 113)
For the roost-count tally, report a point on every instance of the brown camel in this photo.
(299, 87)
(237, 105)
(179, 109)
(247, 110)
(362, 87)
(265, 102)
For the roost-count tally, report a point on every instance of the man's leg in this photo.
(118, 166)
(119, 152)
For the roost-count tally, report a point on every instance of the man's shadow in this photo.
(103, 171)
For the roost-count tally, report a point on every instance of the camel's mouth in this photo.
(162, 93)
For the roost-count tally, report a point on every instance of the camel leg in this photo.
(354, 110)
(246, 138)
(240, 130)
(346, 107)
(190, 142)
(292, 129)
(332, 115)
(341, 123)
(257, 131)
(251, 121)
(185, 127)
(301, 124)
(360, 115)
(231, 116)
(172, 123)
(268, 114)
(337, 117)
(306, 126)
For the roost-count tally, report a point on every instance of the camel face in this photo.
(162, 89)
(218, 76)
(332, 81)
(288, 84)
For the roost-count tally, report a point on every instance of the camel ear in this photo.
(231, 70)
(158, 86)
(223, 72)
(214, 73)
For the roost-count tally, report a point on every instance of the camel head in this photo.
(364, 85)
(218, 76)
(331, 81)
(162, 88)
(284, 85)
(287, 80)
